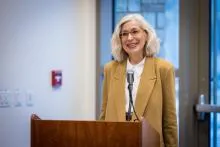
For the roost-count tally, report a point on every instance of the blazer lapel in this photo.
(119, 90)
(145, 87)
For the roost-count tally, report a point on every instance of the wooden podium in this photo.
(64, 133)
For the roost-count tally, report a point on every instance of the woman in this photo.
(134, 46)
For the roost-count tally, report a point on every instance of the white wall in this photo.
(38, 36)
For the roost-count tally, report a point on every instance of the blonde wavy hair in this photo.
(152, 45)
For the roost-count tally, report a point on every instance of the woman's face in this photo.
(133, 38)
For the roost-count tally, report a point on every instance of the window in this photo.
(215, 72)
(163, 15)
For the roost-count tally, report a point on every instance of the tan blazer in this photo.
(155, 99)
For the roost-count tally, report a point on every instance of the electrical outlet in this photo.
(4, 99)
(29, 99)
(17, 98)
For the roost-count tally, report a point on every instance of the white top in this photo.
(138, 69)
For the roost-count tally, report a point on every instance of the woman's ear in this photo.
(146, 34)
(146, 39)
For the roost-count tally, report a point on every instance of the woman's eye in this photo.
(134, 32)
(124, 34)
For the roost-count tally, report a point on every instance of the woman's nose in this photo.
(130, 37)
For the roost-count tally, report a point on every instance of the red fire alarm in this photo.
(56, 78)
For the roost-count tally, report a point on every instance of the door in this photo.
(198, 72)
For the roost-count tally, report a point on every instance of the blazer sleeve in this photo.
(104, 95)
(169, 110)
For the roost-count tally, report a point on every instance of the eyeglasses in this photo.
(134, 33)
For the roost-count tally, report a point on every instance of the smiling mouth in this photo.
(132, 45)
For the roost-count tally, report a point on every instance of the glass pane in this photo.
(121, 5)
(171, 43)
(118, 17)
(134, 5)
(150, 1)
(161, 20)
(215, 72)
(161, 34)
(177, 96)
(151, 18)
